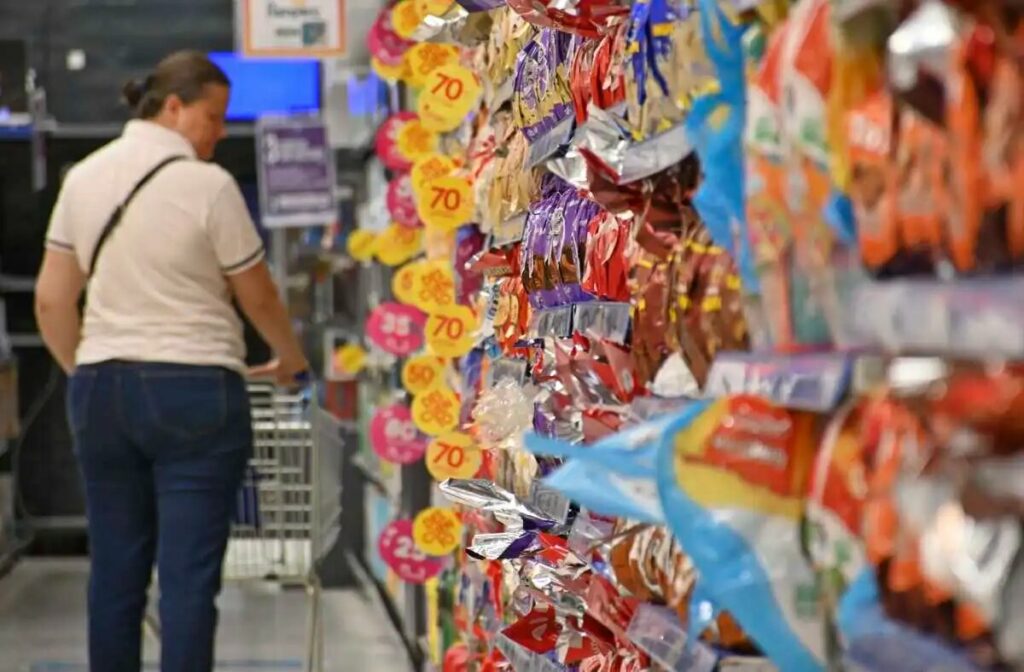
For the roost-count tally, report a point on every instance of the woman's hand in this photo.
(282, 371)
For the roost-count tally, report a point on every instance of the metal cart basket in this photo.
(289, 507)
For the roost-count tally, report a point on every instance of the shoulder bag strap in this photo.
(115, 217)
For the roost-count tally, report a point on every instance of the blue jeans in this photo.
(162, 449)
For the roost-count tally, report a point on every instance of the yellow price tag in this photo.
(414, 141)
(422, 373)
(446, 203)
(450, 331)
(350, 359)
(403, 282)
(425, 57)
(430, 167)
(449, 93)
(453, 455)
(434, 287)
(434, 7)
(437, 531)
(406, 16)
(435, 411)
(398, 244)
(360, 244)
(391, 73)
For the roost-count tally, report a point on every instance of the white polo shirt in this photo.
(160, 291)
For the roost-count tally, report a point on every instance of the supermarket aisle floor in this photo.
(42, 626)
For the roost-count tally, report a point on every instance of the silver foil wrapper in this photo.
(922, 44)
(486, 496)
(606, 139)
(572, 168)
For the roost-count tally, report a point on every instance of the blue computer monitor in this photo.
(261, 86)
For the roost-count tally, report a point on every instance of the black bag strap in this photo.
(118, 214)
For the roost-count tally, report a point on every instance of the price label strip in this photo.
(422, 373)
(436, 411)
(437, 531)
(446, 203)
(811, 382)
(658, 632)
(453, 455)
(451, 332)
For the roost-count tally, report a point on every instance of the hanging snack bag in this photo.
(767, 216)
(732, 483)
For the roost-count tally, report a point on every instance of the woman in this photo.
(156, 398)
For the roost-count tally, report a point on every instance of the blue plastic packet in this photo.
(616, 475)
(715, 127)
(732, 482)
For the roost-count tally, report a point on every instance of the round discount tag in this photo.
(389, 72)
(434, 287)
(393, 435)
(434, 7)
(349, 359)
(426, 57)
(422, 373)
(386, 143)
(360, 244)
(405, 18)
(396, 329)
(449, 94)
(450, 331)
(437, 531)
(403, 282)
(386, 48)
(398, 551)
(414, 141)
(446, 202)
(398, 244)
(453, 455)
(401, 201)
(429, 168)
(436, 411)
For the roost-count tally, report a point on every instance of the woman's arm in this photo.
(258, 297)
(58, 289)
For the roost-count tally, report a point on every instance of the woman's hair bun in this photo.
(133, 91)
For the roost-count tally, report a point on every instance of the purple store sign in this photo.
(296, 172)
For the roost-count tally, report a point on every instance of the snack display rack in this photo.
(704, 320)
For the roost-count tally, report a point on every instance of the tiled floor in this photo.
(42, 626)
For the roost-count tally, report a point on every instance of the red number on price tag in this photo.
(453, 455)
(449, 199)
(452, 87)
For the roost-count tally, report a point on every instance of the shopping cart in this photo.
(289, 506)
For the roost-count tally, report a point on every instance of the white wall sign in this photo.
(310, 28)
